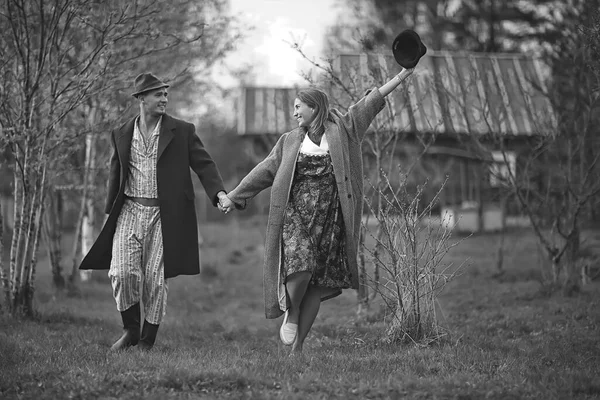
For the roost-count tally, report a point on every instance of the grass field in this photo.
(507, 340)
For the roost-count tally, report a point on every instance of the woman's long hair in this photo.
(317, 99)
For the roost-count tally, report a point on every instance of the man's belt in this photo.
(144, 201)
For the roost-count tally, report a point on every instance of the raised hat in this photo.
(145, 82)
(408, 48)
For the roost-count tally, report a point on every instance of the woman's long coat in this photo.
(344, 136)
(179, 149)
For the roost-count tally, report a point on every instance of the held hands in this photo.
(225, 204)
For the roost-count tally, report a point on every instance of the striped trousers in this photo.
(137, 263)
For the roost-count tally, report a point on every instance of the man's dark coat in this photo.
(179, 149)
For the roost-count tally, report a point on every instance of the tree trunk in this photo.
(376, 255)
(19, 207)
(572, 282)
(36, 244)
(84, 232)
(87, 236)
(363, 288)
(410, 323)
(500, 249)
(364, 297)
(491, 43)
(380, 233)
(25, 303)
(52, 230)
(28, 192)
(89, 218)
(3, 274)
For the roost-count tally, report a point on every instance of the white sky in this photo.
(275, 22)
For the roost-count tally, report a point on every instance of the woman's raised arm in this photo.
(393, 83)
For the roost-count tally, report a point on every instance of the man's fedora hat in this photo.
(145, 82)
(408, 48)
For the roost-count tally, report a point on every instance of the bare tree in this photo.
(411, 255)
(56, 55)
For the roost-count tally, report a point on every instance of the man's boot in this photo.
(131, 326)
(148, 338)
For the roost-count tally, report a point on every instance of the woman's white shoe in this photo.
(287, 332)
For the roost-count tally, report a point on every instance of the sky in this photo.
(275, 23)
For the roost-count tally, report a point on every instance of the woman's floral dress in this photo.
(313, 227)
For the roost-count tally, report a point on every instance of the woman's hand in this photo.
(405, 73)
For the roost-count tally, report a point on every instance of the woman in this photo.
(316, 203)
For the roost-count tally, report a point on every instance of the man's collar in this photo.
(156, 130)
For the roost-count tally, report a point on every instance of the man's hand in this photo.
(225, 204)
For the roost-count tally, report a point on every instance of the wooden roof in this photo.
(469, 93)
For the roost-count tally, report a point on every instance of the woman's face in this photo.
(303, 113)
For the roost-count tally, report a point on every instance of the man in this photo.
(151, 234)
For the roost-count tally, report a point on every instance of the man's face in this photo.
(155, 101)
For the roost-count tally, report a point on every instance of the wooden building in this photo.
(464, 117)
